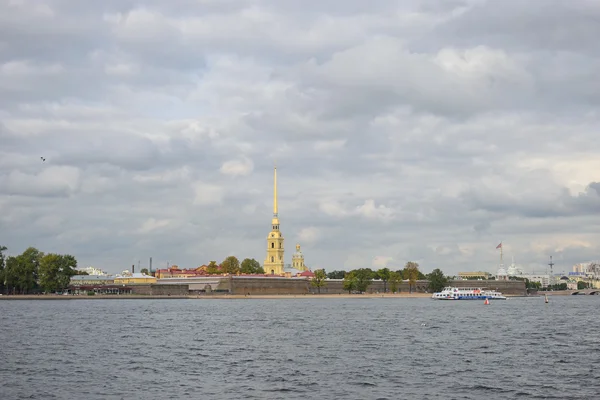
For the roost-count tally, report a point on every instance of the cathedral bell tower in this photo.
(274, 261)
(298, 260)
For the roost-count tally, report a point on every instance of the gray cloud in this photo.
(425, 131)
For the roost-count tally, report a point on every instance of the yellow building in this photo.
(133, 279)
(274, 261)
(298, 260)
(474, 275)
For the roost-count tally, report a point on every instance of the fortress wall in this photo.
(265, 286)
(336, 286)
(160, 290)
(506, 287)
(268, 286)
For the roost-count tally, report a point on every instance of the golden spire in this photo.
(275, 191)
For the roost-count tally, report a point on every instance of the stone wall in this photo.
(267, 285)
(160, 290)
(335, 286)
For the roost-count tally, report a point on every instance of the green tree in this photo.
(11, 274)
(68, 263)
(384, 275)
(437, 280)
(29, 263)
(364, 276)
(145, 271)
(394, 280)
(350, 281)
(411, 272)
(231, 265)
(251, 266)
(55, 271)
(213, 268)
(48, 272)
(582, 285)
(21, 272)
(319, 280)
(336, 275)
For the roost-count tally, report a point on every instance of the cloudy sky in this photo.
(402, 130)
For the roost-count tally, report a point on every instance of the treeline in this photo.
(34, 271)
(231, 265)
(358, 280)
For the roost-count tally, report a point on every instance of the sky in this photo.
(425, 131)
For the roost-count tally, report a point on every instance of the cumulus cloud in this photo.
(309, 235)
(237, 167)
(52, 181)
(422, 131)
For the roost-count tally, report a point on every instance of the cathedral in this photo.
(298, 260)
(275, 262)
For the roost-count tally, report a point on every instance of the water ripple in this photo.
(297, 349)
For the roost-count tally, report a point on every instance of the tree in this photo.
(28, 265)
(251, 266)
(66, 270)
(11, 274)
(336, 275)
(437, 280)
(231, 265)
(384, 275)
(411, 272)
(582, 285)
(145, 271)
(394, 281)
(55, 271)
(319, 280)
(350, 281)
(364, 276)
(212, 268)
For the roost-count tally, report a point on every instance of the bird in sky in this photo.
(43, 159)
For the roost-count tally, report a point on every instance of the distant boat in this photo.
(455, 293)
(545, 298)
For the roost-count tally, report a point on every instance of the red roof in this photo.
(307, 273)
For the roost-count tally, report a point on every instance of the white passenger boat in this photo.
(467, 293)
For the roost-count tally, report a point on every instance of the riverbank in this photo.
(219, 296)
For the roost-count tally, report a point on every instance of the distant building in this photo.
(274, 261)
(474, 275)
(85, 280)
(513, 270)
(175, 272)
(93, 271)
(501, 275)
(298, 260)
(544, 280)
(591, 269)
(135, 278)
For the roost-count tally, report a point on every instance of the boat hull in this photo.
(470, 298)
(471, 293)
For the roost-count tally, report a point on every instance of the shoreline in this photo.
(227, 296)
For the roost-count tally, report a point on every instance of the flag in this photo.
(499, 246)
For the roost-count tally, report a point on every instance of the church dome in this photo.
(298, 253)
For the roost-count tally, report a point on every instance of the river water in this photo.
(357, 348)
